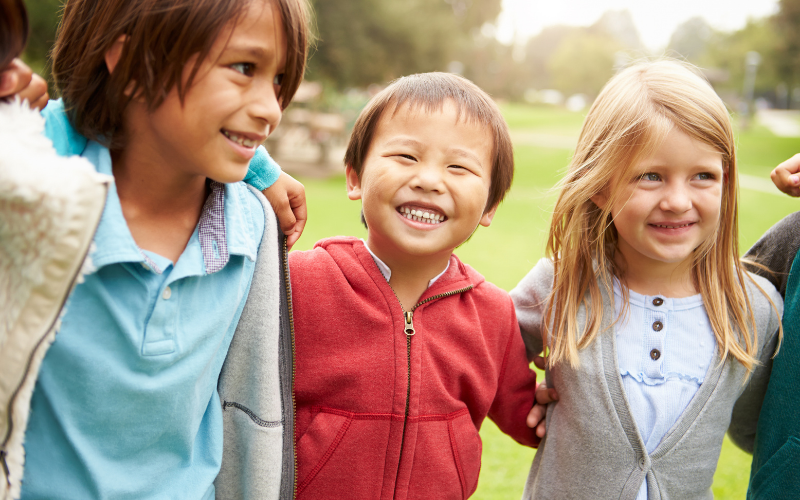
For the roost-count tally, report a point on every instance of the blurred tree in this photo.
(584, 63)
(373, 41)
(43, 16)
(690, 39)
(787, 22)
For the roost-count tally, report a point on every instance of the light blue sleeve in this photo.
(66, 140)
(263, 171)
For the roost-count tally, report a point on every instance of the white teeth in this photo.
(421, 215)
(242, 141)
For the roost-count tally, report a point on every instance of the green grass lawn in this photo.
(507, 250)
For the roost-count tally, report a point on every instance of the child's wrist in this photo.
(263, 171)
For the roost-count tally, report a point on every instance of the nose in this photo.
(428, 178)
(677, 198)
(264, 106)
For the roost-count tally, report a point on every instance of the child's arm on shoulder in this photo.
(516, 389)
(744, 418)
(286, 195)
(776, 250)
(17, 79)
(530, 300)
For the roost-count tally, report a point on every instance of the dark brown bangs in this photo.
(163, 35)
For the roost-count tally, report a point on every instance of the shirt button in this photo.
(167, 293)
(655, 354)
(642, 463)
(145, 266)
(658, 326)
(658, 301)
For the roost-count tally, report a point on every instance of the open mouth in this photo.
(239, 139)
(419, 214)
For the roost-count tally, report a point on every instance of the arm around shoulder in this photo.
(530, 300)
(744, 419)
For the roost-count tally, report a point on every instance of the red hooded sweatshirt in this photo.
(389, 404)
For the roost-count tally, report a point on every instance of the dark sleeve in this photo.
(776, 250)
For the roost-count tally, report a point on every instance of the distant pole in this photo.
(751, 60)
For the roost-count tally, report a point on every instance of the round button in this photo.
(658, 326)
(167, 293)
(658, 301)
(655, 354)
(642, 463)
(146, 267)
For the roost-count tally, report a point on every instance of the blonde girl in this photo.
(659, 341)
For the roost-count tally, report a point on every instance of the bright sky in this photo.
(655, 19)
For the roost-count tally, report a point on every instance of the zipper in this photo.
(408, 329)
(294, 361)
(12, 400)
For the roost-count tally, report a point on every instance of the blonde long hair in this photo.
(627, 123)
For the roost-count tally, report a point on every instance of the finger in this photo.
(540, 362)
(545, 395)
(35, 93)
(541, 429)
(535, 416)
(784, 180)
(16, 77)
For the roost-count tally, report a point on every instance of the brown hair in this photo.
(429, 91)
(629, 121)
(162, 36)
(13, 30)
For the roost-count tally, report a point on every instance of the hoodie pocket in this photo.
(318, 444)
(467, 449)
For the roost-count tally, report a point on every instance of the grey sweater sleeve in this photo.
(776, 250)
(744, 420)
(530, 300)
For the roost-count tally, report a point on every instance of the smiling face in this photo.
(671, 204)
(228, 111)
(424, 183)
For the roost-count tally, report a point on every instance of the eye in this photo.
(406, 156)
(244, 68)
(650, 176)
(278, 80)
(706, 176)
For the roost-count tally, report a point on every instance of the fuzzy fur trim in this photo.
(49, 209)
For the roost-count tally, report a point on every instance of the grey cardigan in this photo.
(255, 386)
(593, 449)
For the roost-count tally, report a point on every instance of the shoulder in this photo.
(536, 284)
(766, 303)
(776, 250)
(253, 208)
(324, 255)
(66, 140)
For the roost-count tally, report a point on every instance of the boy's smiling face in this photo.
(424, 182)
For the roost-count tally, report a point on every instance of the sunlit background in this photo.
(544, 62)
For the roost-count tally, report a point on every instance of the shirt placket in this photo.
(656, 324)
(161, 328)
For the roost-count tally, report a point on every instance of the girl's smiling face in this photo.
(230, 108)
(670, 206)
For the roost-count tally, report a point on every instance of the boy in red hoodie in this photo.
(401, 349)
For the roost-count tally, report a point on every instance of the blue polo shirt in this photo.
(126, 403)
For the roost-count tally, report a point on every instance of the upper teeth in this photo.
(421, 215)
(242, 141)
(670, 227)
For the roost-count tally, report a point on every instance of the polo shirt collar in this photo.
(223, 228)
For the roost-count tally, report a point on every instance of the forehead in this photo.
(258, 33)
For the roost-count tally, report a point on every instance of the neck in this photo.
(161, 205)
(658, 278)
(410, 273)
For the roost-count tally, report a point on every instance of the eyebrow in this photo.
(461, 153)
(250, 50)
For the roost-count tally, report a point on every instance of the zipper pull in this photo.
(409, 323)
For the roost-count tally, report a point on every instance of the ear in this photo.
(600, 199)
(114, 53)
(353, 183)
(487, 216)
